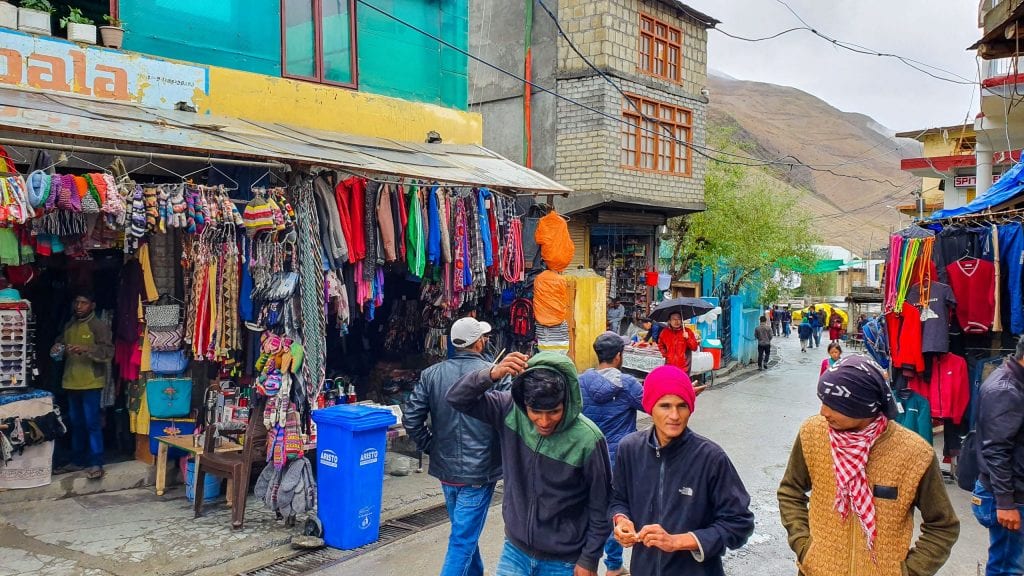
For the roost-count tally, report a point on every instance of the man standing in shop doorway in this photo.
(677, 343)
(464, 452)
(87, 348)
(616, 313)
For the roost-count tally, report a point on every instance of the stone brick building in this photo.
(621, 156)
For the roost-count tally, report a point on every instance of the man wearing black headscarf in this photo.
(864, 474)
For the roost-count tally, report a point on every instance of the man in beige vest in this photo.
(864, 474)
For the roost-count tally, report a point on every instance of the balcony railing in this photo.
(1002, 72)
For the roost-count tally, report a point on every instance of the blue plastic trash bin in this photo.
(350, 444)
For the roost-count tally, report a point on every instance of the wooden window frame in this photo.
(318, 24)
(661, 148)
(648, 58)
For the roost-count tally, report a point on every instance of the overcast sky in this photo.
(935, 32)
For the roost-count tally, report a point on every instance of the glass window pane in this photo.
(300, 41)
(337, 41)
(660, 30)
(645, 24)
(674, 36)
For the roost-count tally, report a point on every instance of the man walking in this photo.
(87, 349)
(555, 463)
(763, 335)
(610, 400)
(999, 491)
(776, 320)
(677, 343)
(805, 333)
(787, 321)
(676, 498)
(865, 476)
(816, 325)
(464, 452)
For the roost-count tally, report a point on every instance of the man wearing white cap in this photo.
(464, 452)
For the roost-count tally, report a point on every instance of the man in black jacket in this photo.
(676, 494)
(464, 452)
(999, 492)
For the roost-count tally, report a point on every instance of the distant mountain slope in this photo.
(779, 122)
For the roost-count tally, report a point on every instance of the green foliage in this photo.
(752, 225)
(41, 5)
(74, 16)
(819, 284)
(113, 21)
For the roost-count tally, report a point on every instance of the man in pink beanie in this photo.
(675, 494)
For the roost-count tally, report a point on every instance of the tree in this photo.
(751, 227)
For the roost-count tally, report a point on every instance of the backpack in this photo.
(875, 341)
(524, 328)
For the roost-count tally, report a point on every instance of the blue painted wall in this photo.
(246, 35)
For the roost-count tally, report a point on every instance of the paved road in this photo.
(755, 420)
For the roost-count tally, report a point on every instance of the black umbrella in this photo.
(687, 307)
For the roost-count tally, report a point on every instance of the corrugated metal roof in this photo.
(119, 123)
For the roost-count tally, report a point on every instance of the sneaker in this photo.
(95, 473)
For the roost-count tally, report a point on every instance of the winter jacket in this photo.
(805, 331)
(675, 348)
(688, 486)
(331, 236)
(463, 450)
(610, 400)
(949, 389)
(1000, 427)
(763, 334)
(556, 487)
(86, 371)
(654, 332)
(916, 415)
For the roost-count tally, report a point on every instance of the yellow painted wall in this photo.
(936, 145)
(588, 318)
(269, 99)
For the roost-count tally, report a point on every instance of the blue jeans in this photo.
(86, 427)
(1005, 548)
(467, 509)
(785, 329)
(515, 562)
(613, 554)
(817, 337)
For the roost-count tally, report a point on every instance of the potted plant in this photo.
(80, 28)
(112, 35)
(34, 16)
(8, 14)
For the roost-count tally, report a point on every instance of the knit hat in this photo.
(665, 380)
(856, 387)
(259, 216)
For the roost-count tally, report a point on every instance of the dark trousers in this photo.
(86, 427)
(764, 351)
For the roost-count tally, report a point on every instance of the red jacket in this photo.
(949, 390)
(675, 348)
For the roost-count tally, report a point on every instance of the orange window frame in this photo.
(650, 136)
(660, 49)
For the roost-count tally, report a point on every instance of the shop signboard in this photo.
(56, 65)
(970, 181)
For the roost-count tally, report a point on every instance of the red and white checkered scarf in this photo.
(850, 452)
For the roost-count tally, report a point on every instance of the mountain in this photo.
(855, 161)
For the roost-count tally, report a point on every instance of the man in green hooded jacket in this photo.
(555, 460)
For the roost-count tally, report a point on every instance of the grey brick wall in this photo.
(588, 153)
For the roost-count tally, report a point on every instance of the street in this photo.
(755, 420)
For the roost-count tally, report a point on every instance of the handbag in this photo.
(169, 397)
(161, 340)
(163, 315)
(168, 362)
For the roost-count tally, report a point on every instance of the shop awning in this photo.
(1007, 189)
(129, 124)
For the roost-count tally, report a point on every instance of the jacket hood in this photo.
(601, 389)
(573, 400)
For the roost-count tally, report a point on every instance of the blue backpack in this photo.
(876, 342)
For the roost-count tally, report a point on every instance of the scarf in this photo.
(850, 451)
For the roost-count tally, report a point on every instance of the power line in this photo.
(752, 162)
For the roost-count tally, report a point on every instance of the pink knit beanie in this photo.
(665, 380)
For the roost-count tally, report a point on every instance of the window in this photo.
(318, 41)
(652, 136)
(661, 49)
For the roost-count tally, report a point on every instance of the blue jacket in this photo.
(612, 406)
(690, 485)
(805, 330)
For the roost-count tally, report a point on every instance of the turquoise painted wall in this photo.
(246, 35)
(238, 34)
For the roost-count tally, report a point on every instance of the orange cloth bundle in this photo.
(550, 298)
(556, 247)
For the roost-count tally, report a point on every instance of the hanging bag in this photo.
(169, 397)
(166, 340)
(166, 316)
(168, 362)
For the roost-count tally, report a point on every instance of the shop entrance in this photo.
(623, 255)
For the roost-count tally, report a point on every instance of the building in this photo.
(946, 168)
(608, 143)
(1000, 124)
